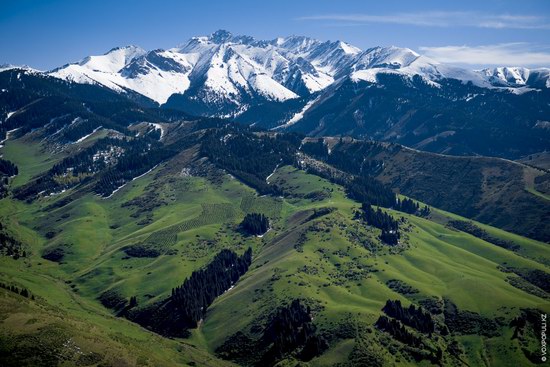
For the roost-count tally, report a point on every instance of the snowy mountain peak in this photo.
(111, 61)
(220, 36)
(130, 49)
(513, 75)
(298, 44)
(4, 67)
(386, 57)
(229, 73)
(349, 49)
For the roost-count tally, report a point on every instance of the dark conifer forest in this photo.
(188, 303)
(255, 224)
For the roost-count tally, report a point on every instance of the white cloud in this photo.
(510, 54)
(441, 19)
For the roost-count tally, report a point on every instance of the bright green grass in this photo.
(29, 158)
(436, 260)
(538, 193)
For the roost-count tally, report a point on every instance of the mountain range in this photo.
(240, 70)
(333, 88)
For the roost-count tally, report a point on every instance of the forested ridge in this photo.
(250, 156)
(111, 161)
(289, 331)
(188, 303)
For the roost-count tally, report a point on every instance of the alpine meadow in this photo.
(238, 200)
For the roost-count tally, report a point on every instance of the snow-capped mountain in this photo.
(5, 67)
(218, 69)
(406, 62)
(518, 76)
(156, 74)
(225, 74)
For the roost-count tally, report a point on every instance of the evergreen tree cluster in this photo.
(379, 219)
(255, 224)
(398, 331)
(8, 168)
(361, 189)
(188, 303)
(409, 206)
(357, 159)
(411, 316)
(317, 149)
(10, 246)
(368, 189)
(21, 291)
(390, 237)
(291, 329)
(289, 332)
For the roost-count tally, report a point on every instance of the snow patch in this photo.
(86, 136)
(298, 115)
(140, 176)
(158, 127)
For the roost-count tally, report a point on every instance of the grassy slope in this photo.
(30, 158)
(439, 262)
(436, 260)
(63, 309)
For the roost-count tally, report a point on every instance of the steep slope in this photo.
(155, 74)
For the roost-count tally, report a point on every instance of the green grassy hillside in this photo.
(150, 235)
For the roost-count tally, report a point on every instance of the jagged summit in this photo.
(229, 73)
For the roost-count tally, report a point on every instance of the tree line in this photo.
(411, 316)
(407, 205)
(20, 291)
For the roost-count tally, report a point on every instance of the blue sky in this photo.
(45, 34)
